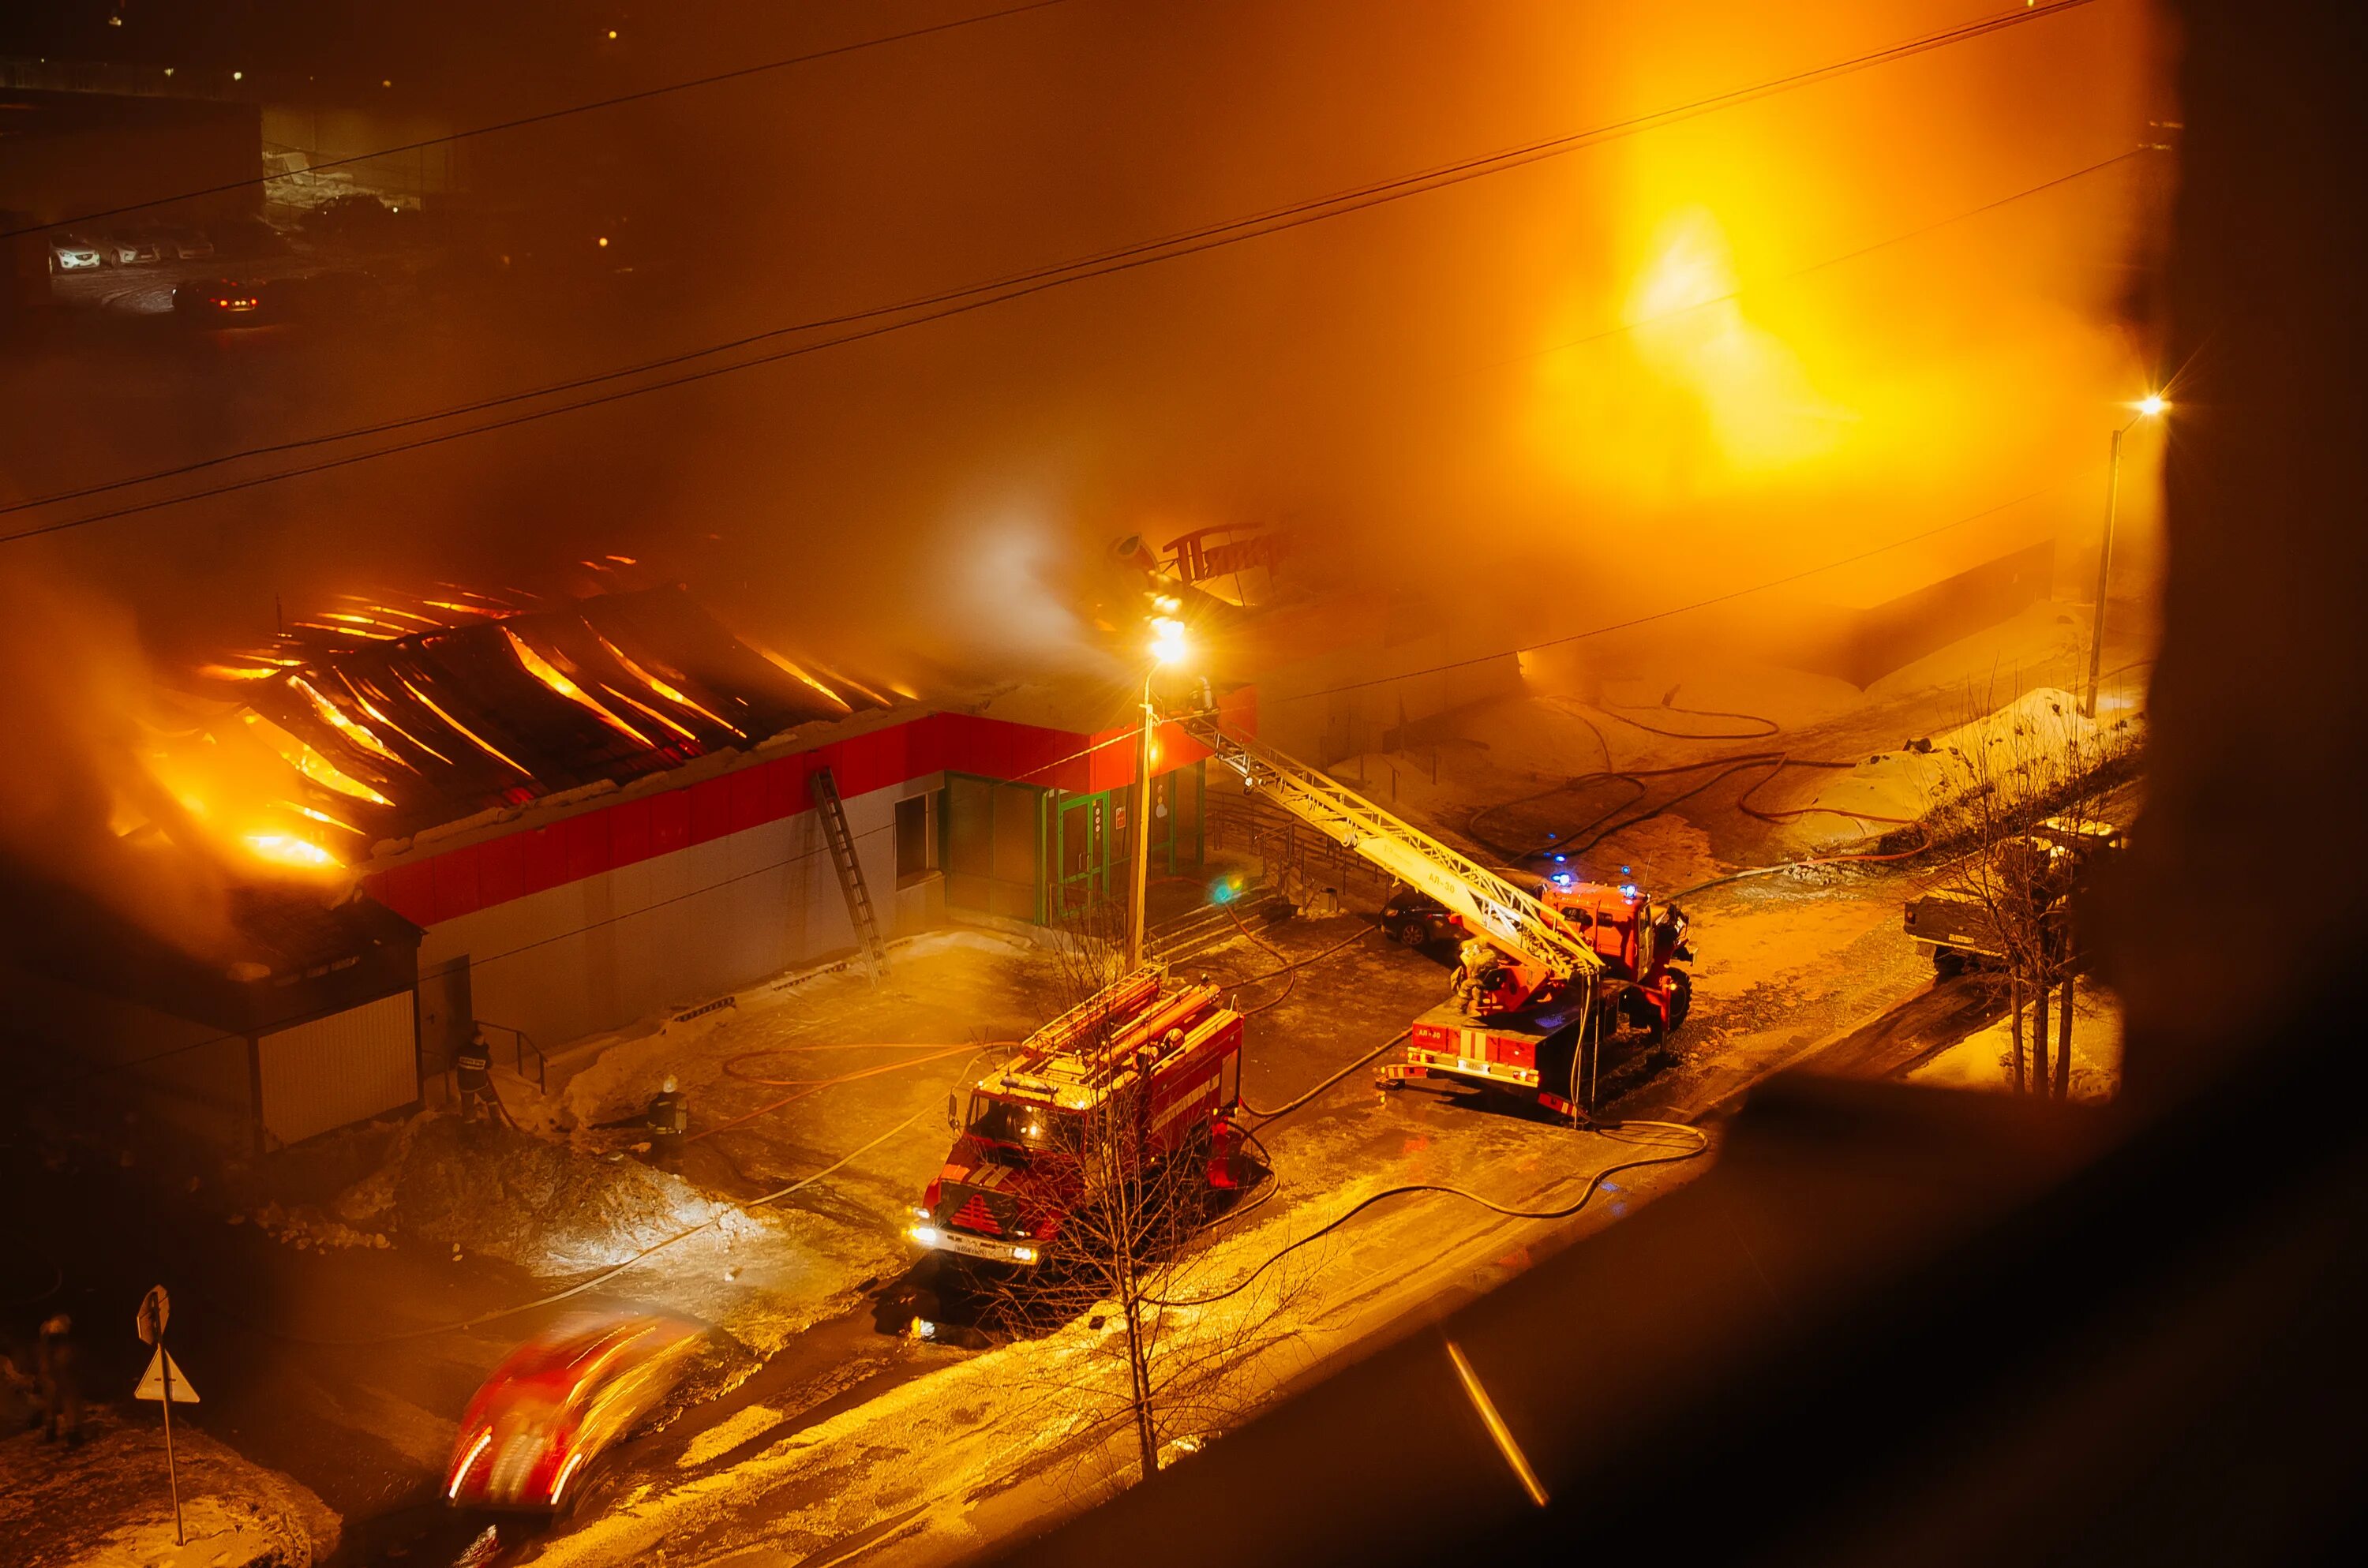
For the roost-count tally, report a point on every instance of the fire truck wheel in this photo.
(1641, 1012)
(1681, 997)
(1948, 963)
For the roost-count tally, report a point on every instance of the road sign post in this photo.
(158, 1383)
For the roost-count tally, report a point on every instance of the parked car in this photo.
(72, 253)
(130, 246)
(188, 244)
(1416, 918)
(556, 1402)
(223, 301)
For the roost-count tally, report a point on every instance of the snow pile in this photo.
(304, 1228)
(104, 1504)
(625, 1076)
(542, 1206)
(2026, 751)
(1984, 1061)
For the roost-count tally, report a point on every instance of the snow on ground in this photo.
(936, 1447)
(1773, 941)
(1984, 1061)
(106, 1503)
(2025, 751)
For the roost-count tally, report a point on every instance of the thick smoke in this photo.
(1529, 395)
(80, 804)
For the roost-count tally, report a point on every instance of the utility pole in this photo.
(2149, 406)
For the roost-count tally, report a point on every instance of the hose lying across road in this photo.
(1270, 1117)
(805, 1086)
(1594, 1185)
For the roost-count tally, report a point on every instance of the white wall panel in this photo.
(660, 933)
(340, 1069)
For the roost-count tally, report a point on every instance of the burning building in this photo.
(583, 811)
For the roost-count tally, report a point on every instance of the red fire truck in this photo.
(1142, 1071)
(1546, 976)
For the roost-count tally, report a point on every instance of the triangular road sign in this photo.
(152, 1383)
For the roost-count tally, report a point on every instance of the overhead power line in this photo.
(1647, 619)
(413, 421)
(544, 117)
(875, 320)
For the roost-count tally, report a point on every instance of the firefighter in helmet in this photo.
(667, 1120)
(1480, 976)
(473, 1074)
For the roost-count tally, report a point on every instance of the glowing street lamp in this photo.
(1168, 641)
(1168, 646)
(2147, 407)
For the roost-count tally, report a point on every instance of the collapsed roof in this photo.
(403, 729)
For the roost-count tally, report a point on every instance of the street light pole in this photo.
(1139, 883)
(2147, 407)
(1168, 647)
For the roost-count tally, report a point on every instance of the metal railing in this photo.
(1291, 855)
(521, 1046)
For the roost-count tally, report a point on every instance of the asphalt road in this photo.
(855, 1438)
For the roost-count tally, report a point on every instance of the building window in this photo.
(917, 844)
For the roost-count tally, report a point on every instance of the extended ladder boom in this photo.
(1490, 906)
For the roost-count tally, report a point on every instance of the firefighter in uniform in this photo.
(472, 1072)
(667, 1120)
(1480, 976)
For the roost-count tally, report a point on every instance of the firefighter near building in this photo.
(1112, 1126)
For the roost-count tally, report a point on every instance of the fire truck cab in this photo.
(1638, 941)
(1140, 1071)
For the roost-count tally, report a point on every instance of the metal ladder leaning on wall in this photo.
(850, 871)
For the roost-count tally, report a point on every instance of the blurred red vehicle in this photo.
(556, 1402)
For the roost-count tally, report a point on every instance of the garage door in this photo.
(345, 1067)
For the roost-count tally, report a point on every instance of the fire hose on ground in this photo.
(1594, 1184)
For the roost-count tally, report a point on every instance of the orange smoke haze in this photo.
(1664, 367)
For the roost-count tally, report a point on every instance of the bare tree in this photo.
(1129, 1248)
(2018, 804)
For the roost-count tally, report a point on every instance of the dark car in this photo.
(1418, 919)
(223, 301)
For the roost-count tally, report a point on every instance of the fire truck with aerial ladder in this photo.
(1545, 978)
(1143, 1071)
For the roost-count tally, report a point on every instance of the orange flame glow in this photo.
(462, 730)
(780, 662)
(336, 718)
(645, 708)
(287, 849)
(311, 763)
(371, 709)
(312, 814)
(543, 670)
(662, 690)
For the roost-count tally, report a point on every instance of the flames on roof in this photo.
(378, 718)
